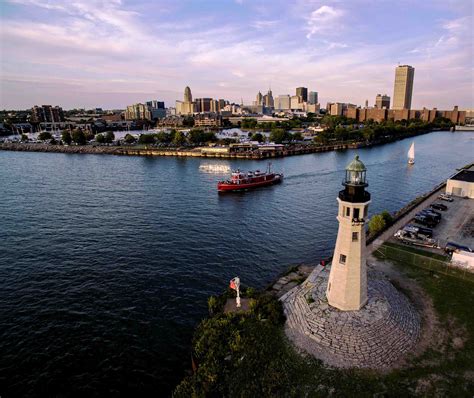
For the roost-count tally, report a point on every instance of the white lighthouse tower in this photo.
(347, 285)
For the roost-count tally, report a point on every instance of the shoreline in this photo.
(196, 152)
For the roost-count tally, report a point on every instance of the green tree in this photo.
(258, 137)
(66, 137)
(129, 139)
(109, 137)
(297, 136)
(79, 137)
(376, 224)
(45, 135)
(279, 135)
(100, 138)
(24, 138)
(179, 138)
(387, 217)
(146, 139)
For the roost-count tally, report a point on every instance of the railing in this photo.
(358, 221)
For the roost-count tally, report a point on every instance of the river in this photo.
(106, 262)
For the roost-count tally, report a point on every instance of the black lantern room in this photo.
(355, 183)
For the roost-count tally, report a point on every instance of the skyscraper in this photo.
(313, 97)
(269, 99)
(403, 89)
(187, 95)
(303, 93)
(382, 101)
(259, 99)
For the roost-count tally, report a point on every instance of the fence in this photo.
(408, 256)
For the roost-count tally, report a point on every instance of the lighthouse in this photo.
(347, 285)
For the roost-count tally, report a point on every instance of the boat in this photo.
(411, 154)
(241, 181)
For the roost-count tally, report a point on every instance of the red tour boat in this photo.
(241, 181)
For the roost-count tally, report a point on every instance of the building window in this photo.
(356, 213)
(342, 259)
(348, 211)
(355, 236)
(365, 211)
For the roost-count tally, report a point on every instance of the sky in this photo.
(112, 53)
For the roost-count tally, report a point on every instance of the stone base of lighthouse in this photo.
(377, 336)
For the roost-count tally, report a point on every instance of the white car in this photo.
(446, 197)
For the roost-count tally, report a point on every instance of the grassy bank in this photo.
(248, 355)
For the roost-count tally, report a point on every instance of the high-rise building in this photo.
(382, 101)
(296, 102)
(283, 102)
(347, 285)
(156, 104)
(259, 100)
(188, 97)
(303, 93)
(313, 97)
(138, 112)
(403, 88)
(269, 103)
(187, 106)
(47, 114)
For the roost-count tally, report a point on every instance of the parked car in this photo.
(423, 220)
(446, 197)
(430, 216)
(439, 206)
(418, 230)
(452, 246)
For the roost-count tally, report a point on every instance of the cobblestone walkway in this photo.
(377, 336)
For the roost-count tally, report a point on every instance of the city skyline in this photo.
(113, 53)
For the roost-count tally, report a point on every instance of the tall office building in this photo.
(282, 102)
(47, 113)
(269, 99)
(259, 100)
(403, 89)
(303, 93)
(313, 97)
(382, 101)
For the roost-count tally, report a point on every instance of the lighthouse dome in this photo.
(356, 165)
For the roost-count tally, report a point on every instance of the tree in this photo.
(79, 137)
(109, 137)
(129, 139)
(66, 137)
(279, 135)
(179, 138)
(53, 141)
(146, 139)
(163, 137)
(24, 138)
(387, 217)
(297, 136)
(45, 135)
(258, 137)
(376, 224)
(100, 138)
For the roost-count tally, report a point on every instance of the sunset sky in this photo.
(112, 53)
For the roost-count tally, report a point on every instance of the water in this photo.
(106, 262)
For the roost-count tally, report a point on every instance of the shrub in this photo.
(376, 224)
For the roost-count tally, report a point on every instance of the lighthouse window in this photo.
(365, 211)
(348, 211)
(355, 236)
(342, 259)
(356, 213)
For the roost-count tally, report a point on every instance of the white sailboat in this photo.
(411, 154)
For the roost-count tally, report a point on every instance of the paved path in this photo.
(377, 336)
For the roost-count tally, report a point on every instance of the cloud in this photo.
(264, 24)
(323, 19)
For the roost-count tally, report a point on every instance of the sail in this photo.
(411, 152)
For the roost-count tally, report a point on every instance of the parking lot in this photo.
(457, 223)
